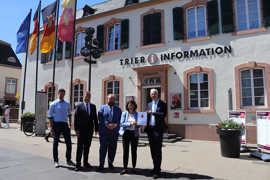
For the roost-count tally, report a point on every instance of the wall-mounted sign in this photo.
(176, 101)
(177, 55)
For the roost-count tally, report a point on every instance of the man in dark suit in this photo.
(109, 116)
(85, 123)
(157, 110)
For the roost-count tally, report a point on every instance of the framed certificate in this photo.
(142, 118)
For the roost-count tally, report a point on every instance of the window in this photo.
(11, 86)
(47, 57)
(130, 2)
(78, 94)
(68, 50)
(114, 37)
(113, 87)
(248, 14)
(79, 43)
(252, 87)
(51, 94)
(152, 31)
(198, 91)
(152, 81)
(196, 22)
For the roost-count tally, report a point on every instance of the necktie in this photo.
(87, 108)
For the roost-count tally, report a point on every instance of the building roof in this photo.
(7, 55)
(108, 6)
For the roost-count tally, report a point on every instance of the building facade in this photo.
(205, 57)
(10, 74)
(10, 78)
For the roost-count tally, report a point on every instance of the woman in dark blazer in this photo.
(129, 131)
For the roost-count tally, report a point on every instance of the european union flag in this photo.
(23, 35)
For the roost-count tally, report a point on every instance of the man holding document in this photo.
(156, 110)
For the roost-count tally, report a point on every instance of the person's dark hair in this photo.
(133, 103)
(61, 90)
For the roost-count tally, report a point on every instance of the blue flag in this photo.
(23, 35)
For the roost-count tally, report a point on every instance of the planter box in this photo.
(230, 142)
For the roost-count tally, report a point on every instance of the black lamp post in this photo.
(90, 50)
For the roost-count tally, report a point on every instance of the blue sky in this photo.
(13, 12)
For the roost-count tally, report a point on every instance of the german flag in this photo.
(48, 38)
(33, 38)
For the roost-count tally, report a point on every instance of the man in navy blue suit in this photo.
(109, 116)
(157, 110)
(85, 123)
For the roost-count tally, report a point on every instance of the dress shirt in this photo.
(154, 109)
(59, 111)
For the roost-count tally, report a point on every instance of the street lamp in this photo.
(90, 50)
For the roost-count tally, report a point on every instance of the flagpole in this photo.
(72, 54)
(36, 86)
(25, 67)
(55, 43)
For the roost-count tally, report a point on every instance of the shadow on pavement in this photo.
(144, 172)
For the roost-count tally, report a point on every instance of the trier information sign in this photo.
(239, 117)
(263, 129)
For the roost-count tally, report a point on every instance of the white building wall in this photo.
(251, 47)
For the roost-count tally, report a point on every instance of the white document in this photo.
(142, 118)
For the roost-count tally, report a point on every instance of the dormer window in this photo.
(130, 2)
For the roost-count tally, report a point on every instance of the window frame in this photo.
(108, 37)
(162, 43)
(199, 93)
(74, 83)
(196, 21)
(113, 89)
(46, 88)
(252, 65)
(104, 88)
(252, 88)
(199, 69)
(6, 85)
(247, 16)
(76, 43)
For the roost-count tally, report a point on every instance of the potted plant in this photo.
(230, 133)
(27, 120)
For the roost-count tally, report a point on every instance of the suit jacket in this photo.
(125, 123)
(160, 116)
(103, 117)
(84, 122)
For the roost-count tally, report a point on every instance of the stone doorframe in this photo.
(146, 71)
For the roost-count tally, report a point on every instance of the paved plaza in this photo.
(23, 157)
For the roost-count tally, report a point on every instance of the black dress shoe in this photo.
(78, 168)
(87, 165)
(111, 166)
(100, 168)
(155, 176)
(124, 171)
(70, 163)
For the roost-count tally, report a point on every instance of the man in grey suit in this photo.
(109, 116)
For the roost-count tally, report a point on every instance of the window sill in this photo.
(112, 52)
(253, 109)
(251, 31)
(203, 111)
(152, 46)
(197, 39)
